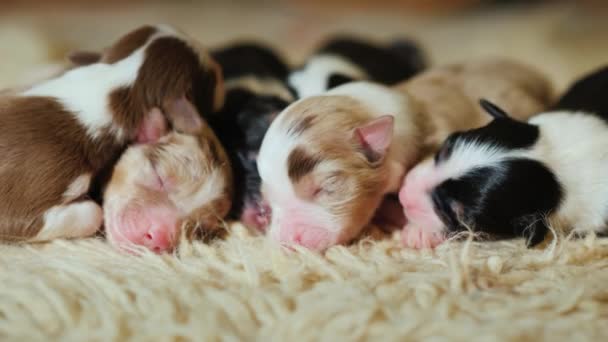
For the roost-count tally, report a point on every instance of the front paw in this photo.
(413, 236)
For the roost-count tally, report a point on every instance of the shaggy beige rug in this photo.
(245, 288)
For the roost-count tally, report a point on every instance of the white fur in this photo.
(260, 86)
(85, 91)
(575, 147)
(79, 219)
(469, 155)
(211, 190)
(312, 78)
(78, 187)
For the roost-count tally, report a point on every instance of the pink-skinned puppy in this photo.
(57, 136)
(180, 184)
(327, 161)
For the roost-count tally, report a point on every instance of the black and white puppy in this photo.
(256, 91)
(345, 59)
(517, 179)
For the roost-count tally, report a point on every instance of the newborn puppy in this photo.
(256, 91)
(345, 59)
(90, 113)
(182, 182)
(512, 178)
(448, 95)
(327, 161)
(447, 98)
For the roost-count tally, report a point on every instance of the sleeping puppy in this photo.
(345, 59)
(256, 91)
(57, 136)
(449, 95)
(515, 179)
(180, 184)
(327, 161)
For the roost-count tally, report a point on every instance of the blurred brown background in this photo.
(563, 38)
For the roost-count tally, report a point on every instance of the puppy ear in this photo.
(82, 58)
(152, 128)
(492, 109)
(184, 117)
(375, 137)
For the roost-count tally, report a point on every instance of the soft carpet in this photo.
(245, 288)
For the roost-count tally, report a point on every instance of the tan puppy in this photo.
(327, 161)
(156, 190)
(449, 95)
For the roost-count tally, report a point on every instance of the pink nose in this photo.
(159, 239)
(256, 216)
(311, 237)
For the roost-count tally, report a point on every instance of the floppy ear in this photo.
(375, 137)
(152, 128)
(182, 114)
(492, 109)
(82, 58)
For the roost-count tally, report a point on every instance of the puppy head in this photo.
(174, 73)
(483, 179)
(324, 170)
(156, 190)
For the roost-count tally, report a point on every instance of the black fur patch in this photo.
(509, 200)
(382, 64)
(250, 58)
(338, 80)
(502, 132)
(246, 116)
(588, 94)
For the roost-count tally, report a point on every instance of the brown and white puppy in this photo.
(157, 190)
(58, 135)
(327, 161)
(449, 95)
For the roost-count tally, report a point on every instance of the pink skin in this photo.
(300, 231)
(152, 227)
(303, 224)
(256, 216)
(424, 229)
(153, 128)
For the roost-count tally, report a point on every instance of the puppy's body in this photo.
(345, 59)
(58, 135)
(182, 182)
(448, 95)
(327, 161)
(511, 178)
(256, 91)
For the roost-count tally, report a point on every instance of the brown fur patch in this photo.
(301, 125)
(300, 163)
(128, 44)
(40, 158)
